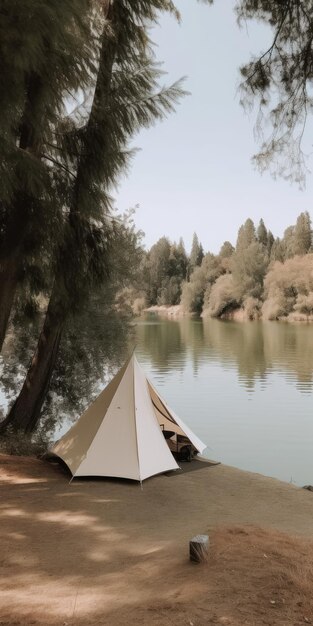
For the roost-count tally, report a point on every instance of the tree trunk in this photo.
(8, 284)
(10, 263)
(11, 253)
(25, 412)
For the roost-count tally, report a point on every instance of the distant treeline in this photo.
(263, 276)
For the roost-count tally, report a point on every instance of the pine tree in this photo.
(249, 263)
(126, 98)
(279, 79)
(225, 258)
(288, 242)
(249, 269)
(262, 233)
(277, 251)
(196, 254)
(47, 50)
(270, 241)
(178, 261)
(158, 269)
(181, 248)
(302, 234)
(246, 236)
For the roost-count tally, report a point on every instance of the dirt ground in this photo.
(106, 553)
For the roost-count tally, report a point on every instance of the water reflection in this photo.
(163, 343)
(245, 388)
(254, 348)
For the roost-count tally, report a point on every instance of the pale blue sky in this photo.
(194, 170)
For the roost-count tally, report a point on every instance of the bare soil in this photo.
(106, 553)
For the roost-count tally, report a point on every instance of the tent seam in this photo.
(96, 432)
(135, 410)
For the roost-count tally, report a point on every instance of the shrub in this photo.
(252, 307)
(222, 297)
(19, 444)
(289, 288)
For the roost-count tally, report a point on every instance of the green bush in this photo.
(19, 444)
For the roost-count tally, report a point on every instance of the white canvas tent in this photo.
(120, 434)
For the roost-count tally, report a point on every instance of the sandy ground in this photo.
(105, 552)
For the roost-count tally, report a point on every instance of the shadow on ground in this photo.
(107, 552)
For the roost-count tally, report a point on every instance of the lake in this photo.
(244, 388)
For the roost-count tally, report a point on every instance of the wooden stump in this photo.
(199, 548)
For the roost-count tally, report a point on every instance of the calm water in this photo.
(245, 388)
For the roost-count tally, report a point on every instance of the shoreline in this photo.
(174, 310)
(237, 315)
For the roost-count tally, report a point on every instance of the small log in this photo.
(199, 548)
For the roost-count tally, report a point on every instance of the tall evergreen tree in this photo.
(157, 269)
(288, 242)
(249, 263)
(126, 98)
(277, 251)
(270, 241)
(47, 50)
(280, 79)
(225, 258)
(246, 236)
(196, 253)
(303, 234)
(177, 272)
(249, 269)
(181, 249)
(178, 261)
(262, 233)
(166, 267)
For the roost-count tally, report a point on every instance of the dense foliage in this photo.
(64, 248)
(279, 79)
(261, 275)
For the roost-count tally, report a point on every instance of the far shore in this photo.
(168, 310)
(237, 315)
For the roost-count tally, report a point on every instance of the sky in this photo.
(193, 171)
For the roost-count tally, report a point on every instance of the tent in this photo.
(120, 434)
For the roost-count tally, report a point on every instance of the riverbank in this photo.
(236, 315)
(174, 311)
(105, 552)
